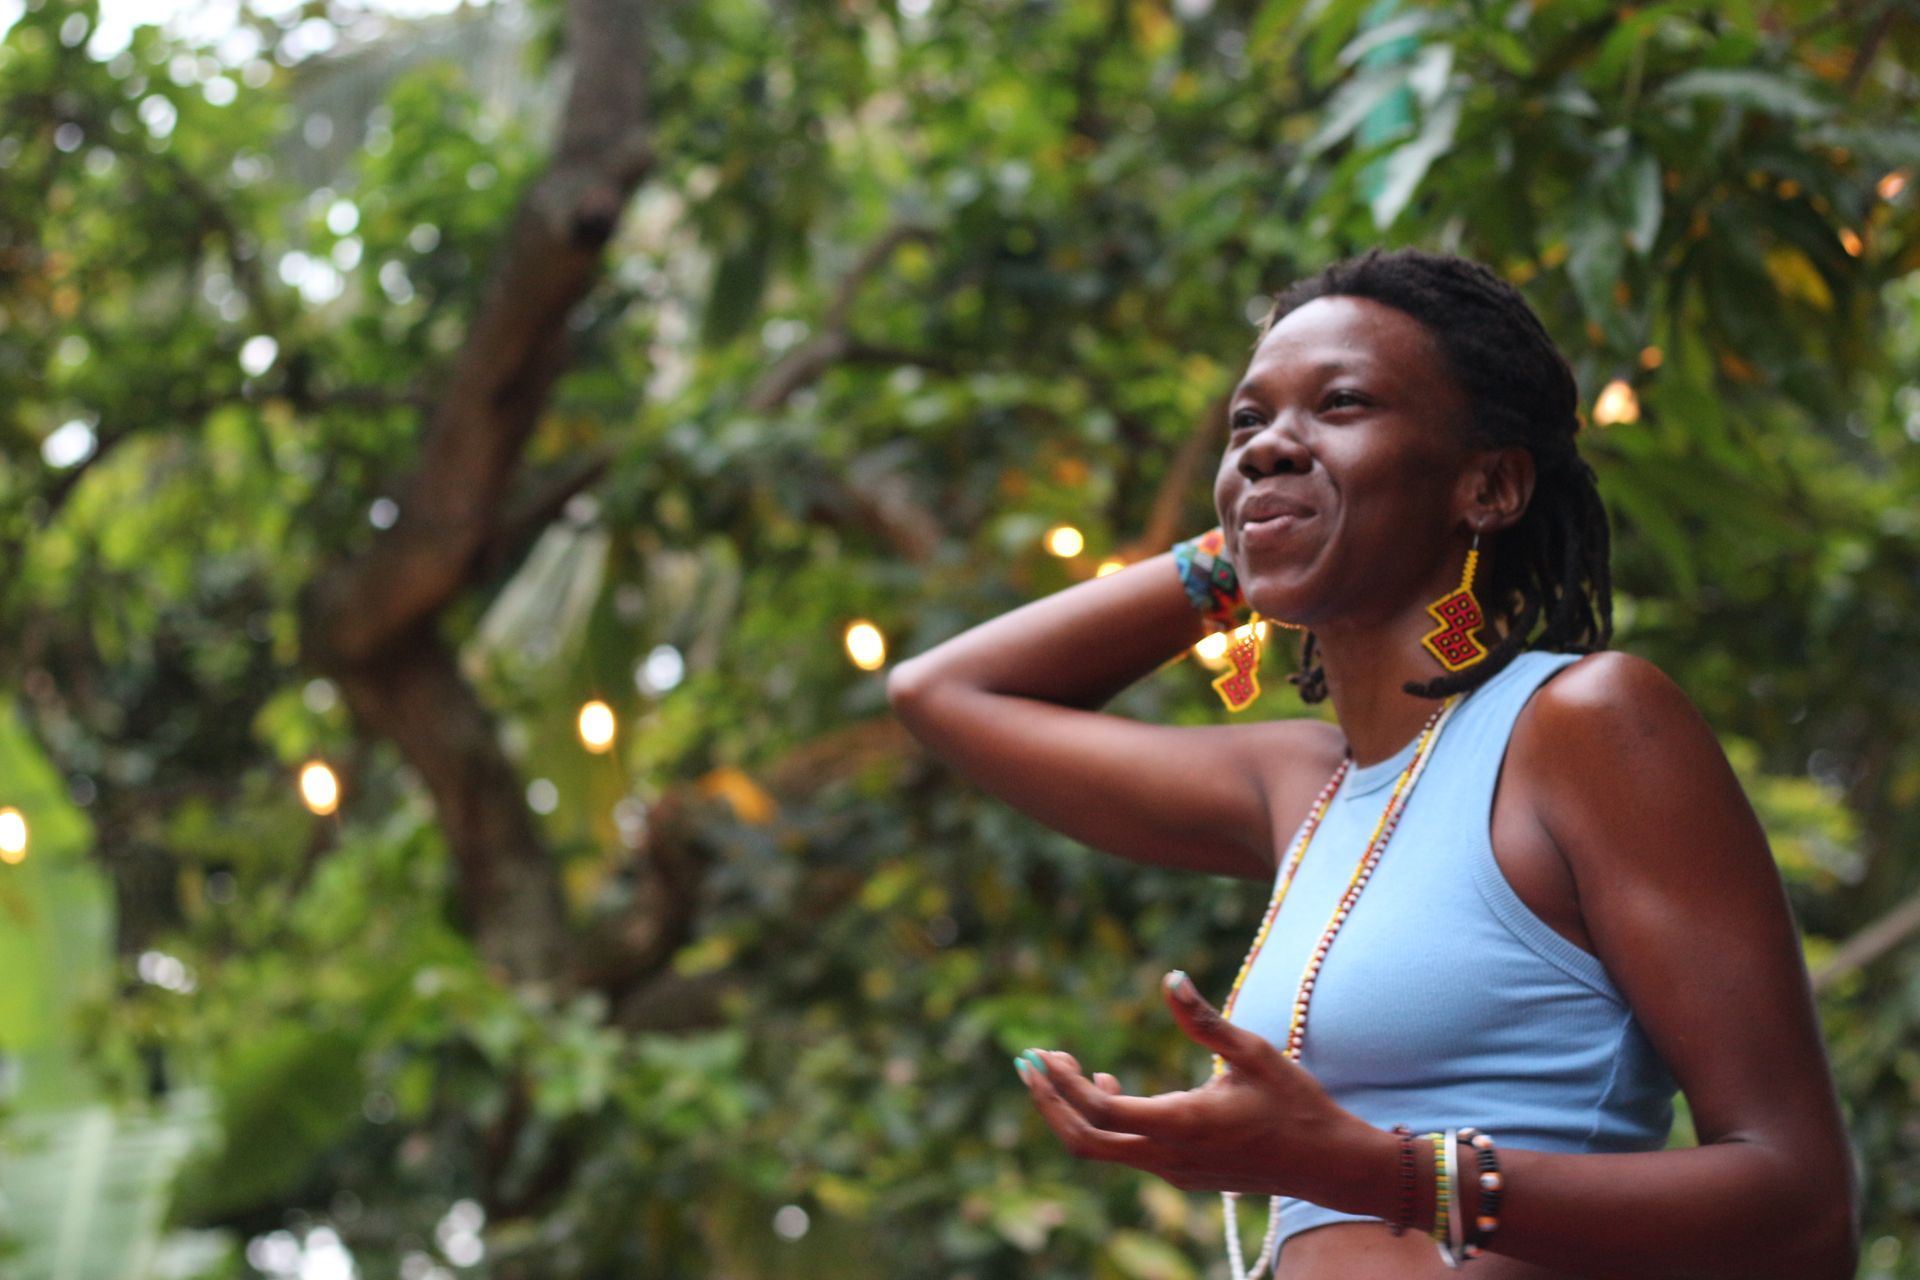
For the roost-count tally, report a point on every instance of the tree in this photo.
(389, 440)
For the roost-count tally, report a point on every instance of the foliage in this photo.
(1080, 206)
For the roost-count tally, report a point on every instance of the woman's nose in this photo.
(1274, 450)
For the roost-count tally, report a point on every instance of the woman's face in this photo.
(1344, 434)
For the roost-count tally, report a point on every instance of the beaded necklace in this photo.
(1297, 1024)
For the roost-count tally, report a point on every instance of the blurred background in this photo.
(467, 469)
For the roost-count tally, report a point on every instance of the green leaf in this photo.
(1384, 36)
(1644, 201)
(1755, 90)
(1409, 163)
(85, 1192)
(1595, 255)
(1352, 103)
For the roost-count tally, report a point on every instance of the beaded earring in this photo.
(1459, 615)
(1239, 684)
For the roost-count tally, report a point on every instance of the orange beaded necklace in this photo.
(1297, 1024)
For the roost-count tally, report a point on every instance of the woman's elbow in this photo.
(1828, 1248)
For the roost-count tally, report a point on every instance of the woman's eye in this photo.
(1245, 420)
(1342, 399)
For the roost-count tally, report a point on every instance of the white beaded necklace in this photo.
(1297, 1024)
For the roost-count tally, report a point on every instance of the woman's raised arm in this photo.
(1012, 705)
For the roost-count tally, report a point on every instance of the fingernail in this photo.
(1181, 985)
(1020, 1066)
(1033, 1056)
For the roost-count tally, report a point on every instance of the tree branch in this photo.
(372, 622)
(541, 501)
(514, 351)
(627, 955)
(1876, 940)
(834, 340)
(1176, 487)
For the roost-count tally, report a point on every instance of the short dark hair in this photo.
(1551, 586)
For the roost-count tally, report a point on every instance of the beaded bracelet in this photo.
(1212, 586)
(1441, 1190)
(1492, 1187)
(1405, 1217)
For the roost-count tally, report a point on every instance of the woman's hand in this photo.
(1263, 1127)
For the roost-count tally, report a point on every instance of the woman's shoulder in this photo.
(1611, 724)
(1609, 685)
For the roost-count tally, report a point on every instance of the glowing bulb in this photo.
(1617, 403)
(866, 646)
(319, 788)
(1065, 541)
(1651, 357)
(596, 726)
(1212, 648)
(1109, 566)
(13, 837)
(1850, 242)
(1891, 185)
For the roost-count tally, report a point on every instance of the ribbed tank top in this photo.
(1445, 1001)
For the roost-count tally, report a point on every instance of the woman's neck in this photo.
(1367, 670)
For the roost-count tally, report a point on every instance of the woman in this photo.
(1521, 892)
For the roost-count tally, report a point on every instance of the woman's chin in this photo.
(1278, 604)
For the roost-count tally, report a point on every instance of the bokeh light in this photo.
(319, 787)
(866, 646)
(1617, 403)
(13, 836)
(596, 725)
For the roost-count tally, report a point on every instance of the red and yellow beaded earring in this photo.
(1459, 616)
(1239, 684)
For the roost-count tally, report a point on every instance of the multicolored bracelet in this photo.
(1442, 1190)
(1492, 1187)
(1212, 586)
(1405, 1217)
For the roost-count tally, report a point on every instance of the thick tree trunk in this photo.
(372, 623)
(507, 893)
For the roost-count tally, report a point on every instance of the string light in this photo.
(1211, 649)
(1109, 566)
(1850, 241)
(1651, 357)
(1891, 185)
(319, 788)
(13, 837)
(1617, 403)
(596, 726)
(1065, 541)
(866, 646)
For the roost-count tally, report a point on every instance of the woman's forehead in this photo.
(1338, 333)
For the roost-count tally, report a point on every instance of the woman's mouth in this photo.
(1272, 526)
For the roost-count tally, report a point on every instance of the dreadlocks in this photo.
(1550, 571)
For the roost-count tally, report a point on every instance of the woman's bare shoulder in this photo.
(1610, 698)
(1611, 735)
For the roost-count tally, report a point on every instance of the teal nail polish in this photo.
(1033, 1057)
(1020, 1066)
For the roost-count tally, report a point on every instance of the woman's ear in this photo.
(1496, 487)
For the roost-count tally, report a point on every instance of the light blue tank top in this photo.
(1445, 1001)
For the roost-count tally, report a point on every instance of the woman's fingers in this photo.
(1105, 1082)
(1081, 1138)
(1168, 1116)
(1205, 1027)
